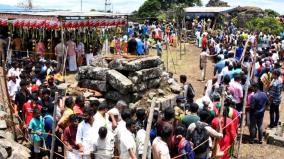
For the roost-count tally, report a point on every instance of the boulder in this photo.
(116, 96)
(145, 74)
(175, 88)
(90, 72)
(217, 3)
(3, 116)
(13, 149)
(152, 83)
(97, 73)
(135, 65)
(119, 82)
(93, 84)
(99, 61)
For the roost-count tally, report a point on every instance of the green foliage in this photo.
(150, 8)
(271, 13)
(156, 8)
(266, 25)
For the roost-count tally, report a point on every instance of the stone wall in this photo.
(126, 79)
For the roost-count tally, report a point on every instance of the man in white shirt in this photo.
(127, 141)
(104, 144)
(12, 87)
(86, 134)
(159, 147)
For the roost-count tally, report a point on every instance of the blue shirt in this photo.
(219, 66)
(48, 122)
(239, 52)
(259, 102)
(140, 47)
(275, 92)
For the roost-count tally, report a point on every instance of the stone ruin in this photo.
(134, 80)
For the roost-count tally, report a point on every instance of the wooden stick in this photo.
(54, 126)
(244, 106)
(244, 51)
(148, 129)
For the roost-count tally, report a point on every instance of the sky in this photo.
(126, 6)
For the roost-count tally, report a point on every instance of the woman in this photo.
(71, 52)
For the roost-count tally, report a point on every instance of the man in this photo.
(62, 123)
(36, 128)
(275, 98)
(12, 87)
(2, 49)
(104, 144)
(86, 134)
(128, 144)
(69, 138)
(236, 90)
(192, 117)
(80, 53)
(219, 65)
(202, 126)
(257, 108)
(159, 147)
(132, 46)
(79, 105)
(189, 92)
(101, 118)
(60, 49)
(203, 63)
(22, 96)
(28, 108)
(140, 46)
(71, 52)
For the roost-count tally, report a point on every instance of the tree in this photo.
(266, 25)
(150, 8)
(271, 13)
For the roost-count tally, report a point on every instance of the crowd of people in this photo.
(193, 129)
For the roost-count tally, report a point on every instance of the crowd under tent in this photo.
(51, 27)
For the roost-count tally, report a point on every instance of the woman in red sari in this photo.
(229, 131)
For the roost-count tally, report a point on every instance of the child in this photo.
(36, 128)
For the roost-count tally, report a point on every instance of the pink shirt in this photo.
(71, 48)
(236, 90)
(249, 98)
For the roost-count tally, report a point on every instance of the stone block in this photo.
(97, 73)
(167, 101)
(145, 74)
(119, 82)
(152, 83)
(175, 88)
(93, 84)
(90, 72)
(99, 61)
(135, 65)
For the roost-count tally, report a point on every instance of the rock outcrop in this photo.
(217, 3)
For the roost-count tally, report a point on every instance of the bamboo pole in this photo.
(6, 91)
(53, 127)
(148, 129)
(244, 105)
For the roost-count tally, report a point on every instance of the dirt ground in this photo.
(188, 64)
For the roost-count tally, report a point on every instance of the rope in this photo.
(81, 154)
(205, 140)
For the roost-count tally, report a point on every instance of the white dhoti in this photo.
(72, 63)
(73, 155)
(89, 56)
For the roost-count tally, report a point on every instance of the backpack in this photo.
(190, 92)
(198, 136)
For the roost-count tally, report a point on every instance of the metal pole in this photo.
(53, 126)
(148, 129)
